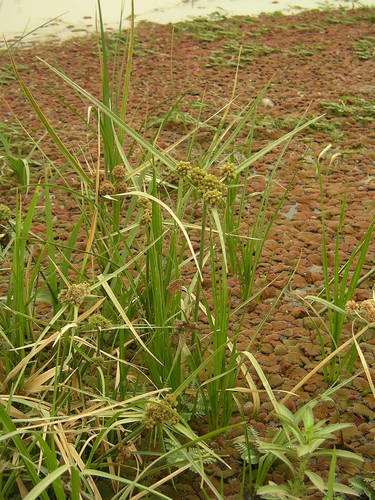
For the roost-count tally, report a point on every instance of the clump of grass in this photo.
(304, 50)
(208, 29)
(114, 346)
(326, 126)
(364, 48)
(359, 109)
(297, 442)
(229, 54)
(340, 285)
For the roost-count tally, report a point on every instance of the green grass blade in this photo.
(41, 487)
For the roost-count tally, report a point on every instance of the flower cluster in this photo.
(146, 204)
(161, 412)
(5, 213)
(228, 171)
(106, 188)
(119, 174)
(183, 168)
(366, 308)
(207, 185)
(98, 361)
(75, 294)
(125, 452)
(99, 322)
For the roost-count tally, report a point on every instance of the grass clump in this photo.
(364, 48)
(121, 338)
(233, 54)
(361, 110)
(208, 29)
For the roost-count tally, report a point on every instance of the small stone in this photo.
(308, 323)
(275, 380)
(311, 388)
(267, 102)
(367, 450)
(295, 358)
(350, 434)
(280, 350)
(248, 408)
(311, 349)
(365, 428)
(266, 349)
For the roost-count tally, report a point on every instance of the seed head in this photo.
(99, 322)
(119, 172)
(124, 453)
(5, 213)
(106, 188)
(171, 400)
(98, 361)
(101, 175)
(367, 308)
(228, 171)
(121, 187)
(183, 168)
(197, 175)
(352, 307)
(213, 197)
(74, 294)
(160, 412)
(63, 235)
(146, 217)
(144, 203)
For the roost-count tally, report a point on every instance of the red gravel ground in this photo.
(316, 60)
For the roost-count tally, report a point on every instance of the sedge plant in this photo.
(106, 342)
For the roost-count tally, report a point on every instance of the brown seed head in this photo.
(106, 188)
(121, 187)
(367, 308)
(119, 172)
(352, 307)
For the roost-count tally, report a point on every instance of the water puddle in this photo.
(78, 16)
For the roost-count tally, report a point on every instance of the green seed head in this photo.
(99, 322)
(5, 213)
(146, 217)
(213, 197)
(212, 183)
(183, 168)
(159, 412)
(228, 171)
(196, 176)
(74, 294)
(144, 203)
(98, 361)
